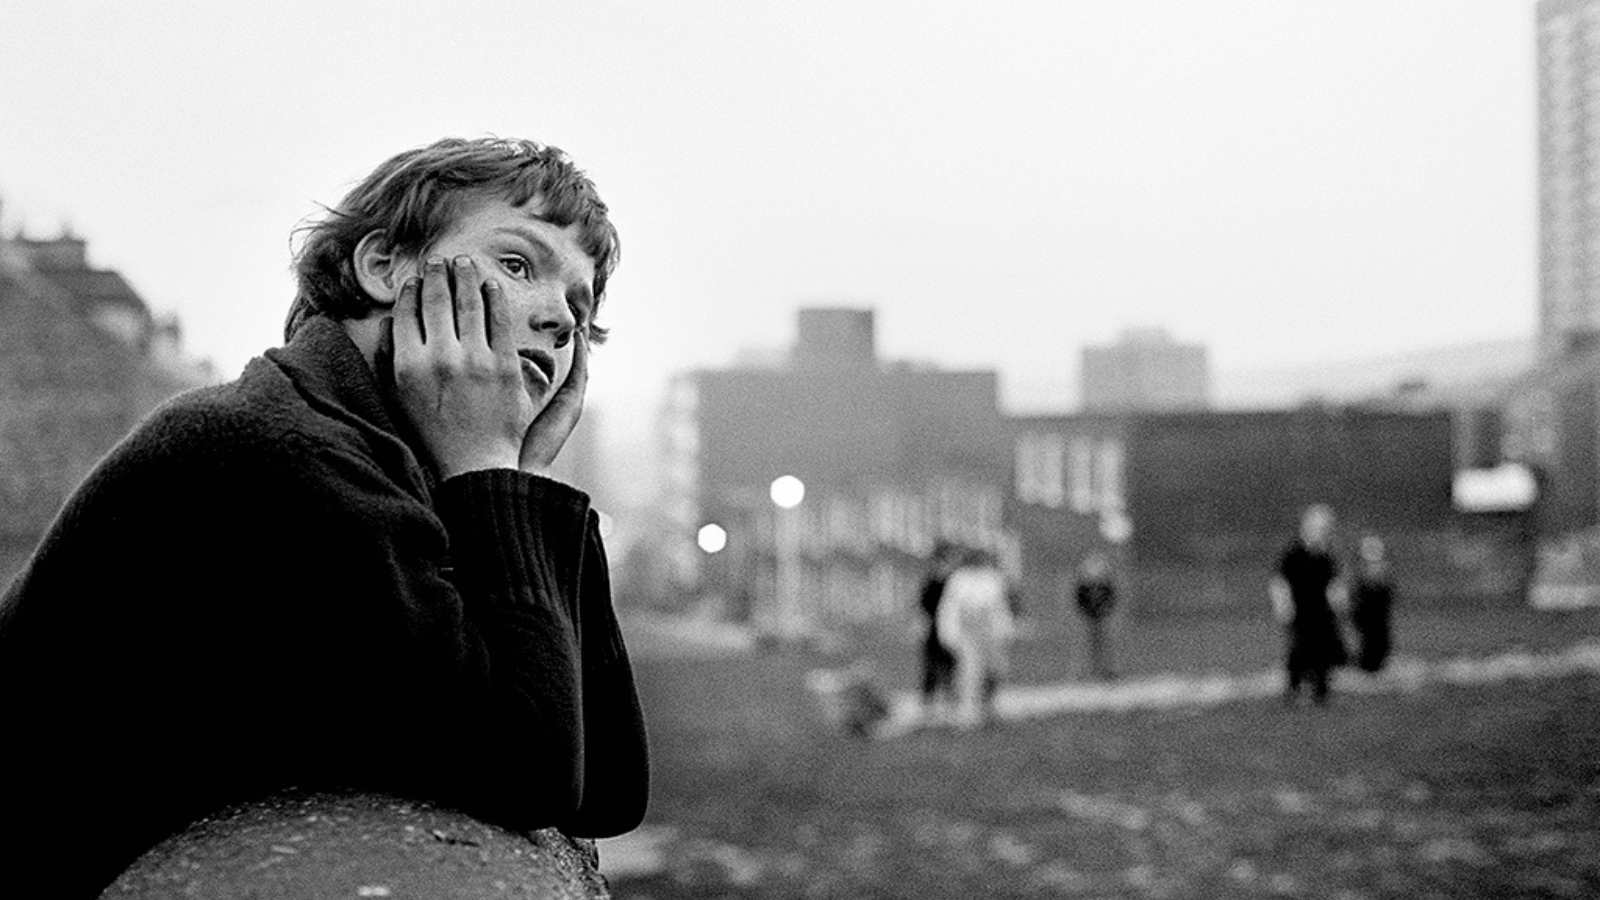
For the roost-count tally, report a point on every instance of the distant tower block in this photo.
(1569, 174)
(835, 336)
(1145, 370)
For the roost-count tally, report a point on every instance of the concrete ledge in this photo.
(354, 846)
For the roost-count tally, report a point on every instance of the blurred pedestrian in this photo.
(1097, 597)
(975, 623)
(1371, 604)
(1305, 592)
(938, 663)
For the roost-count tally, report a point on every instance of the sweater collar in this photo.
(327, 368)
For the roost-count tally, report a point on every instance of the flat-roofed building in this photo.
(893, 457)
(1145, 370)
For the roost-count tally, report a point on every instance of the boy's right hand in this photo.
(457, 378)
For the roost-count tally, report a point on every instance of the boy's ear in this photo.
(377, 269)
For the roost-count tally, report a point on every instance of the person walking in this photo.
(1096, 594)
(1304, 593)
(938, 663)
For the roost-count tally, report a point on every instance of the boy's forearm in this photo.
(556, 564)
(515, 541)
(616, 750)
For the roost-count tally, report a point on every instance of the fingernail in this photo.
(435, 262)
(463, 262)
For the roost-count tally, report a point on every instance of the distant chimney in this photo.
(63, 254)
(834, 336)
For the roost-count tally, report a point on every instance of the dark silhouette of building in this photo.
(81, 360)
(1195, 507)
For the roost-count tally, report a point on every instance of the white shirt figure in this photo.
(975, 624)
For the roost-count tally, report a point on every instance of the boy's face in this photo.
(545, 276)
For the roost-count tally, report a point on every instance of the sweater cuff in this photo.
(505, 520)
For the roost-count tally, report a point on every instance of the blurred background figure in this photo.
(850, 699)
(975, 623)
(1097, 598)
(1372, 601)
(1304, 593)
(938, 663)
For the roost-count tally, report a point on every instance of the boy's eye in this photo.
(516, 265)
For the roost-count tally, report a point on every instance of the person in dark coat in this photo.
(1096, 594)
(938, 662)
(347, 570)
(1304, 593)
(1372, 605)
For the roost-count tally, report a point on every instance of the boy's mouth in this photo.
(540, 360)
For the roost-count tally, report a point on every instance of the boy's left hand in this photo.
(555, 422)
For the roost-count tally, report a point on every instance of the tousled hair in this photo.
(416, 196)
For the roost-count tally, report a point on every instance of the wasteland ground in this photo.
(1430, 789)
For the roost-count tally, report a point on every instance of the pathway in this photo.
(1402, 675)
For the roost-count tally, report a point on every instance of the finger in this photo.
(497, 316)
(578, 376)
(568, 399)
(438, 313)
(556, 421)
(469, 303)
(406, 323)
(383, 357)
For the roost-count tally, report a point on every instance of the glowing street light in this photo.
(787, 491)
(712, 538)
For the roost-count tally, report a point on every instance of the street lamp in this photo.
(712, 538)
(787, 492)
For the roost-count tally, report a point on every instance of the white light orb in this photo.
(788, 491)
(712, 538)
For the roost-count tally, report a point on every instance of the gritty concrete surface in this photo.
(328, 846)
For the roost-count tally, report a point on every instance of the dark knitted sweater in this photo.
(261, 587)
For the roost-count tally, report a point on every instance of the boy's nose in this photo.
(551, 313)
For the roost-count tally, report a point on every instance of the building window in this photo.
(1109, 475)
(1039, 469)
(1080, 474)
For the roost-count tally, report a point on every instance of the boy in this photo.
(346, 569)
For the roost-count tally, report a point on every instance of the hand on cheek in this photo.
(457, 377)
(556, 421)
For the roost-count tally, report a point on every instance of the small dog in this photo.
(851, 700)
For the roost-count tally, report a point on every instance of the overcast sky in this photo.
(1002, 182)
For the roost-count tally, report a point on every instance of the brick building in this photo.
(893, 457)
(81, 360)
(1195, 507)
